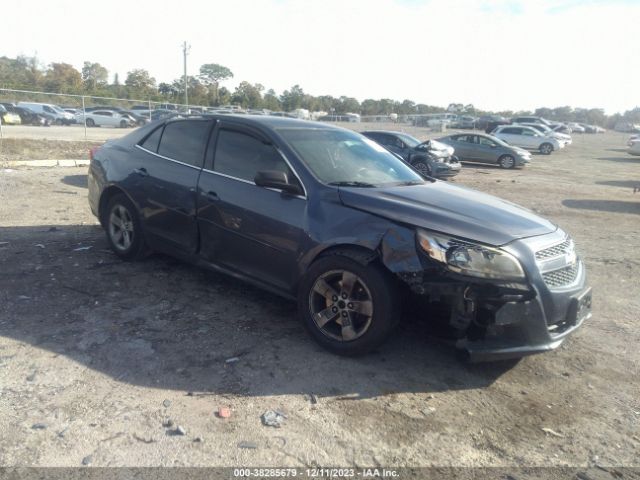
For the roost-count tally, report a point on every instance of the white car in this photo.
(562, 137)
(105, 118)
(528, 138)
(633, 138)
(634, 148)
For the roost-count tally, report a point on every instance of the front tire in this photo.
(123, 228)
(422, 166)
(546, 148)
(90, 122)
(123, 124)
(507, 161)
(348, 308)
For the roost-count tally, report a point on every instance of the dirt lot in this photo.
(96, 355)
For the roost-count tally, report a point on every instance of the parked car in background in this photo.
(464, 122)
(527, 137)
(634, 148)
(324, 216)
(60, 117)
(627, 127)
(531, 119)
(105, 118)
(591, 128)
(473, 147)
(135, 116)
(562, 128)
(576, 127)
(430, 158)
(633, 138)
(562, 137)
(9, 118)
(488, 123)
(27, 117)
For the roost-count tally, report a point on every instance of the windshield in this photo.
(58, 109)
(340, 157)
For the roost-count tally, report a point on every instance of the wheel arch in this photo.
(107, 194)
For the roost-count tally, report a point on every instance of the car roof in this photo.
(268, 121)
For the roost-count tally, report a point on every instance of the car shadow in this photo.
(634, 184)
(615, 206)
(75, 180)
(621, 150)
(163, 323)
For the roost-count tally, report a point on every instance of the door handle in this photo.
(141, 171)
(211, 195)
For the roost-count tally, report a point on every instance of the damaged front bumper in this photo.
(494, 320)
(523, 328)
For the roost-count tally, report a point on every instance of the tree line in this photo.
(27, 73)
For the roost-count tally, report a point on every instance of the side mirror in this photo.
(277, 179)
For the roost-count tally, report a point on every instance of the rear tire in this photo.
(347, 307)
(123, 228)
(507, 161)
(546, 148)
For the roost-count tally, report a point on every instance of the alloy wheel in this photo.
(121, 230)
(341, 305)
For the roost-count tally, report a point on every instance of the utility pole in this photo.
(185, 52)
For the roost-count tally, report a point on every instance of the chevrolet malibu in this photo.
(327, 217)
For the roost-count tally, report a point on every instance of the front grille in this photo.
(554, 251)
(561, 277)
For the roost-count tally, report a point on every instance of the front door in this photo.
(253, 230)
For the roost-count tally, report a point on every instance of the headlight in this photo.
(469, 258)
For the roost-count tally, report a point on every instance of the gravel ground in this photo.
(101, 361)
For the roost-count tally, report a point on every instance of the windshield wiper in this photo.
(352, 184)
(409, 183)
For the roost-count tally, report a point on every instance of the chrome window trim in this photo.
(249, 182)
(167, 158)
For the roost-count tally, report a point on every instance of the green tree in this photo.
(292, 99)
(140, 82)
(94, 75)
(271, 101)
(211, 74)
(62, 78)
(248, 95)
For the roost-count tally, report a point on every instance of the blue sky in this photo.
(496, 54)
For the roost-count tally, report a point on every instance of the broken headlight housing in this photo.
(472, 259)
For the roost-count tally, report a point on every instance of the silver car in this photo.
(474, 147)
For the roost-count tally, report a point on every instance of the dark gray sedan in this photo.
(474, 147)
(329, 218)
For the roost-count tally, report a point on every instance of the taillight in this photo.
(92, 152)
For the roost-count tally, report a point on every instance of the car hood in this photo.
(436, 148)
(449, 209)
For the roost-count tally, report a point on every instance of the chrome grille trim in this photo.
(562, 276)
(555, 250)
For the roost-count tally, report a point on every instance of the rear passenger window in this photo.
(242, 156)
(152, 141)
(185, 141)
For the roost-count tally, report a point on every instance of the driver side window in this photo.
(242, 156)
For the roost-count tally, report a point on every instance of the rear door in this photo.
(166, 169)
(246, 228)
(464, 147)
(511, 135)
